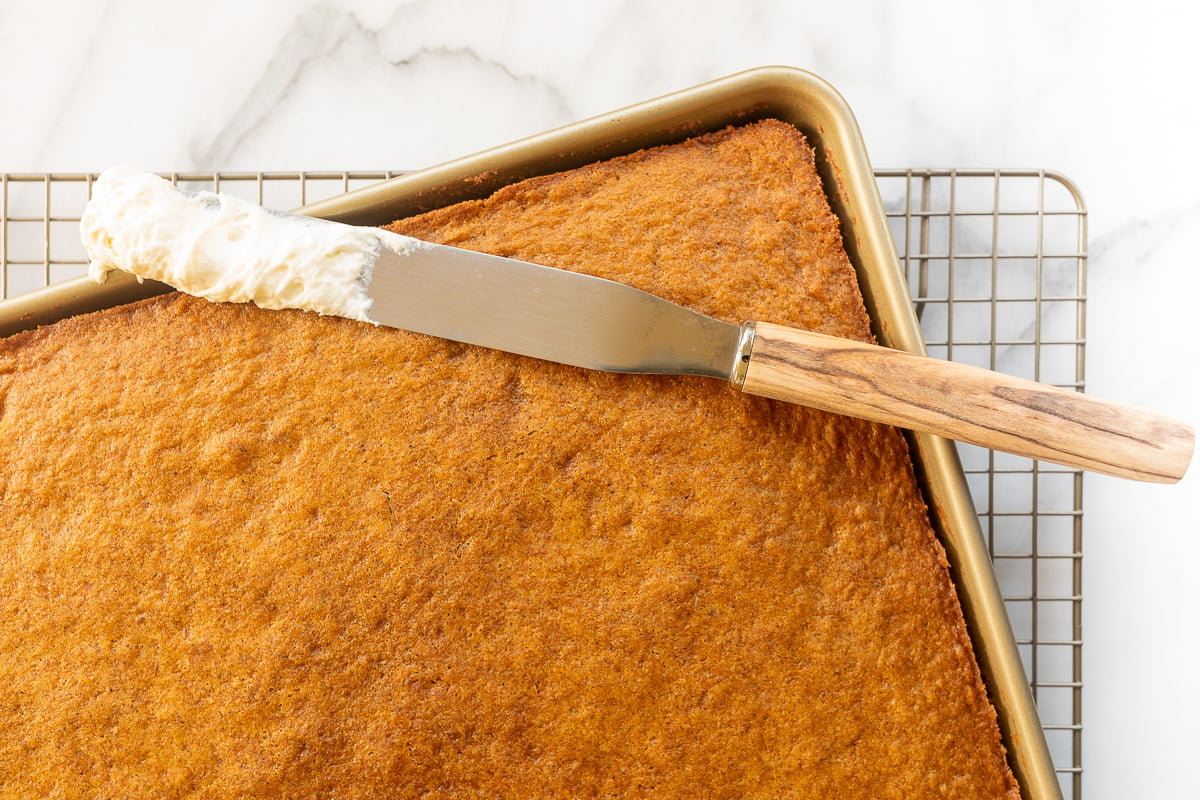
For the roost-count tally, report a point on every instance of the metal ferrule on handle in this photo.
(741, 356)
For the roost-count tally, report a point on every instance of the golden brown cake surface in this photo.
(269, 554)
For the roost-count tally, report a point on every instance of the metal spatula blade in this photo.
(546, 313)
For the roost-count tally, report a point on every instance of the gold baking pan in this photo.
(810, 104)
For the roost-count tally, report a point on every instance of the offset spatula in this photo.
(590, 322)
(224, 248)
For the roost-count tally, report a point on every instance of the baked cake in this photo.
(255, 553)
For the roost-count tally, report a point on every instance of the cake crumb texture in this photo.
(253, 553)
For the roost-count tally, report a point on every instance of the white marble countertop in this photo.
(1100, 91)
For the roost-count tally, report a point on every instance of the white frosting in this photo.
(226, 249)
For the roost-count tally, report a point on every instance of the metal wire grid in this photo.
(996, 261)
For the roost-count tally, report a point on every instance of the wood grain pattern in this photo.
(967, 404)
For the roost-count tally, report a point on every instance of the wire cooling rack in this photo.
(996, 261)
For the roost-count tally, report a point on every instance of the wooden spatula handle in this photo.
(966, 403)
